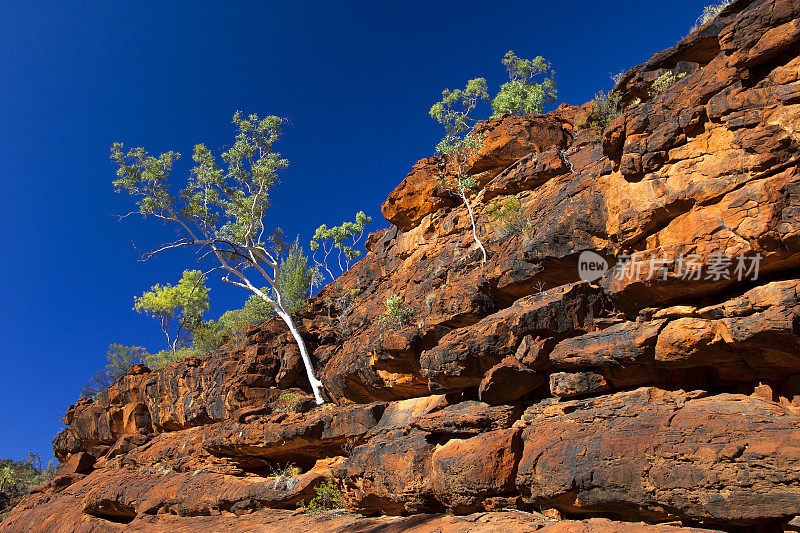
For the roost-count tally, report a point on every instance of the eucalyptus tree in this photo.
(520, 95)
(220, 211)
(342, 238)
(460, 143)
(178, 309)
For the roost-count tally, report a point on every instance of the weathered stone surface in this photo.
(761, 329)
(507, 139)
(652, 454)
(707, 166)
(280, 521)
(298, 437)
(462, 357)
(467, 418)
(465, 472)
(508, 381)
(571, 384)
(628, 342)
(390, 474)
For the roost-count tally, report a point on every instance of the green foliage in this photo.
(206, 339)
(178, 309)
(289, 400)
(295, 279)
(397, 314)
(510, 219)
(120, 359)
(17, 478)
(606, 107)
(453, 110)
(222, 207)
(460, 143)
(663, 82)
(159, 360)
(343, 238)
(227, 202)
(709, 12)
(220, 212)
(234, 323)
(328, 497)
(520, 95)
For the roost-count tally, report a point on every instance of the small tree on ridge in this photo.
(220, 212)
(460, 142)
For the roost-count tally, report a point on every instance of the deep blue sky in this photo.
(355, 78)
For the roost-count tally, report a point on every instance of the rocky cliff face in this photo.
(667, 391)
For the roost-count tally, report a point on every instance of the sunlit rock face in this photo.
(667, 389)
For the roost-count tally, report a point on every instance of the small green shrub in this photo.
(328, 498)
(120, 359)
(17, 478)
(397, 314)
(289, 400)
(206, 339)
(709, 12)
(159, 360)
(663, 82)
(510, 219)
(233, 324)
(606, 107)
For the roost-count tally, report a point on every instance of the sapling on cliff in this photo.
(343, 238)
(178, 309)
(460, 142)
(220, 212)
(520, 95)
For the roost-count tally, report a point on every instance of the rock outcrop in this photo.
(662, 396)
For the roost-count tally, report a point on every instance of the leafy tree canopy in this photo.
(220, 211)
(178, 309)
(520, 95)
(295, 279)
(343, 238)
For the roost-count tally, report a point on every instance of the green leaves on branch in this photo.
(397, 314)
(18, 478)
(234, 323)
(453, 110)
(121, 358)
(606, 107)
(145, 177)
(226, 201)
(458, 143)
(178, 309)
(520, 95)
(295, 279)
(342, 238)
(221, 213)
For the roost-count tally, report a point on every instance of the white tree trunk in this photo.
(316, 384)
(474, 229)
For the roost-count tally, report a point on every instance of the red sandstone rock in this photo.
(709, 165)
(652, 454)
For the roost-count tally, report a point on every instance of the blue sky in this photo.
(355, 80)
